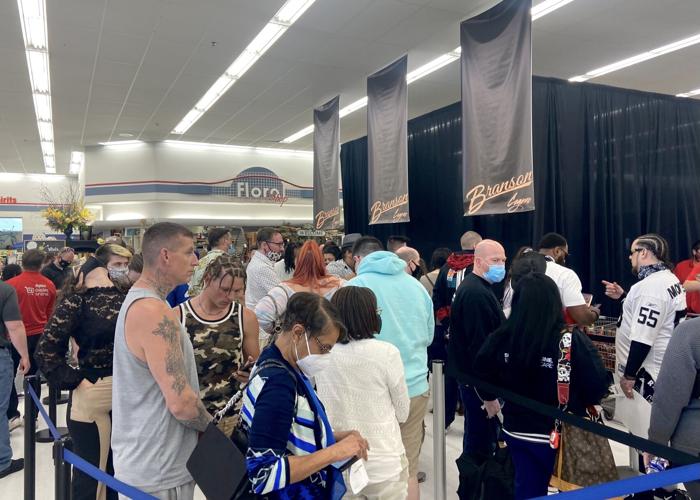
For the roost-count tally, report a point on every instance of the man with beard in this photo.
(555, 249)
(651, 310)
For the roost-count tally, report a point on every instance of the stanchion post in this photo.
(439, 430)
(53, 397)
(62, 469)
(30, 412)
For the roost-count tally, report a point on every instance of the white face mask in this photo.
(118, 274)
(312, 364)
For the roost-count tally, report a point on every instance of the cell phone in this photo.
(247, 367)
(343, 466)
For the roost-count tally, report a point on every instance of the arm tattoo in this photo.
(174, 361)
(200, 422)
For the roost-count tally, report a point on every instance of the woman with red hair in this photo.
(309, 276)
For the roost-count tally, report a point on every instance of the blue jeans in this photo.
(480, 433)
(7, 378)
(534, 463)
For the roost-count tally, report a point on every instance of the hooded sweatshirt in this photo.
(406, 311)
(458, 265)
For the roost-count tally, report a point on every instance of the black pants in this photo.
(86, 444)
(32, 342)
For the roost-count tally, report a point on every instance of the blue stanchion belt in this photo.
(638, 484)
(52, 428)
(85, 466)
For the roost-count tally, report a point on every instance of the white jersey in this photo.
(652, 309)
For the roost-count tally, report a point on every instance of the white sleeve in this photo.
(271, 307)
(648, 317)
(397, 386)
(571, 290)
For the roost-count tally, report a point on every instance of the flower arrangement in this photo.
(65, 209)
(61, 218)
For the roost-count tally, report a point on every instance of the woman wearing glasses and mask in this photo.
(87, 312)
(224, 335)
(291, 445)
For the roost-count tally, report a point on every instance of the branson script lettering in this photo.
(323, 216)
(480, 194)
(379, 208)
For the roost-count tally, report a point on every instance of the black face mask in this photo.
(64, 264)
(417, 273)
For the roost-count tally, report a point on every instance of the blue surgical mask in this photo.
(496, 273)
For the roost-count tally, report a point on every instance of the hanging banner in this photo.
(327, 164)
(387, 144)
(497, 110)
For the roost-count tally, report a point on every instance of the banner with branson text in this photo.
(497, 110)
(387, 144)
(327, 164)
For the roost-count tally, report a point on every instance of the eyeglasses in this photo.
(637, 250)
(325, 349)
(275, 243)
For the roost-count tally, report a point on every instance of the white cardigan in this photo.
(364, 389)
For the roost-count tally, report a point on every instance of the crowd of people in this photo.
(331, 347)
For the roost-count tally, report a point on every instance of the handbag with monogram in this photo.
(583, 458)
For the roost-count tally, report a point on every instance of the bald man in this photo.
(412, 259)
(476, 313)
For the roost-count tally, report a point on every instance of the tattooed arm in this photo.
(153, 327)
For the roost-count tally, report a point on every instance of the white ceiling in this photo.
(137, 66)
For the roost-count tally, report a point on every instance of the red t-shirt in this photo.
(683, 268)
(692, 299)
(36, 295)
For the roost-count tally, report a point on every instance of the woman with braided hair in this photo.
(224, 334)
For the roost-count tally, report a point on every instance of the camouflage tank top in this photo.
(218, 346)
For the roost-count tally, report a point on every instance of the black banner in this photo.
(496, 62)
(387, 150)
(327, 164)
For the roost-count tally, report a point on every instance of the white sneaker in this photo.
(15, 422)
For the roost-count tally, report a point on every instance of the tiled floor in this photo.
(11, 487)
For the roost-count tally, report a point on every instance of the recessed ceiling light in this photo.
(134, 142)
(287, 15)
(537, 12)
(77, 161)
(125, 134)
(644, 56)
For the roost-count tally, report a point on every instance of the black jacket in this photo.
(475, 314)
(56, 275)
(589, 380)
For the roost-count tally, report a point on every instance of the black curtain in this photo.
(610, 164)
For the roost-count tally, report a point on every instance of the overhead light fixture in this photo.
(689, 94)
(203, 146)
(644, 56)
(32, 15)
(546, 7)
(134, 142)
(287, 15)
(77, 161)
(537, 12)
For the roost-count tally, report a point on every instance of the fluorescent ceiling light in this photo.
(203, 146)
(77, 161)
(45, 130)
(287, 15)
(32, 15)
(121, 143)
(546, 7)
(644, 56)
(689, 94)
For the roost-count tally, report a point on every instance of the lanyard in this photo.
(563, 384)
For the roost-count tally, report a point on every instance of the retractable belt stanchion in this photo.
(44, 435)
(30, 413)
(439, 429)
(62, 469)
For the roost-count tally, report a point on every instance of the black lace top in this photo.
(90, 318)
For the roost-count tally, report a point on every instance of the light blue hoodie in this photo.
(407, 313)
